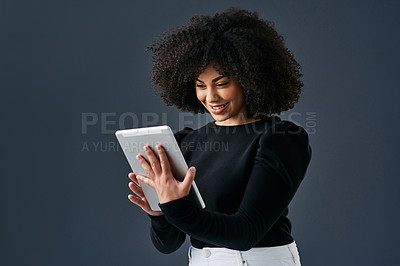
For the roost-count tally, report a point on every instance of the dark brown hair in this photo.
(237, 43)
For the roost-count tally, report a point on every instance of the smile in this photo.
(218, 108)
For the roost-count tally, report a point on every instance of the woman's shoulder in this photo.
(284, 136)
(286, 128)
(286, 139)
(287, 145)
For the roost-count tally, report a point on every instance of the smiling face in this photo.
(222, 96)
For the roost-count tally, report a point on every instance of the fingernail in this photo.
(192, 169)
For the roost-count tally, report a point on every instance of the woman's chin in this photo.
(220, 118)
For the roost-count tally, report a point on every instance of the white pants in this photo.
(258, 256)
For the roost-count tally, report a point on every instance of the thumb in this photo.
(189, 177)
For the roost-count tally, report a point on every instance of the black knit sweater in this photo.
(247, 175)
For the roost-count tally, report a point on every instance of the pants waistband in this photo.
(277, 252)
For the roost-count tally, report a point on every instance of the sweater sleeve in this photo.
(166, 237)
(279, 166)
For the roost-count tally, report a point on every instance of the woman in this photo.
(248, 164)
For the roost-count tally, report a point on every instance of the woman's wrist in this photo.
(156, 217)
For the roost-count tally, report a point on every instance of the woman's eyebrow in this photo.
(217, 78)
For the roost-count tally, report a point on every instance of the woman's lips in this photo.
(216, 109)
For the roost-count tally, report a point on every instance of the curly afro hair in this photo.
(237, 43)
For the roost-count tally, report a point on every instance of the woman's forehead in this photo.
(213, 69)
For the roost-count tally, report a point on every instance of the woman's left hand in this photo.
(160, 177)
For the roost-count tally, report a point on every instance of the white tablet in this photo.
(132, 142)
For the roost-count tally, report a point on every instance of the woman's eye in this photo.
(219, 85)
(223, 84)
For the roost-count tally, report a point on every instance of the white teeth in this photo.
(216, 108)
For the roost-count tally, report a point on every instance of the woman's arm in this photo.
(165, 237)
(280, 165)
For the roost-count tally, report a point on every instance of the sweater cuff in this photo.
(178, 209)
(159, 222)
(156, 218)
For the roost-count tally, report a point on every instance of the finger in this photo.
(165, 166)
(154, 163)
(147, 181)
(135, 189)
(147, 209)
(189, 177)
(132, 177)
(136, 200)
(145, 165)
(146, 204)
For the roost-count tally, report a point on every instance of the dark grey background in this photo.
(64, 204)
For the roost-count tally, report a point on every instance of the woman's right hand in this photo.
(142, 201)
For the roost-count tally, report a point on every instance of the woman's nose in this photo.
(212, 95)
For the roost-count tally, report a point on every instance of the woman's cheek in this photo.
(201, 97)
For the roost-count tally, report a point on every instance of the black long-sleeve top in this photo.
(247, 176)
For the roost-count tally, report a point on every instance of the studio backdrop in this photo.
(74, 72)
